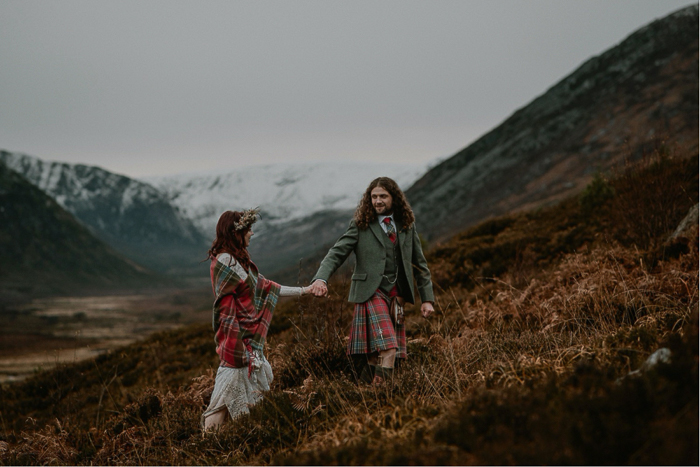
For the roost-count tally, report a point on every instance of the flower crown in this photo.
(248, 218)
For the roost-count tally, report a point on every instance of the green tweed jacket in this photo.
(371, 258)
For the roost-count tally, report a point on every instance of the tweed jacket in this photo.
(370, 255)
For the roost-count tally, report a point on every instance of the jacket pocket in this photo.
(359, 277)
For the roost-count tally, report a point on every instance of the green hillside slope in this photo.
(537, 355)
(45, 251)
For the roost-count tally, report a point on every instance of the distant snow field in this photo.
(282, 191)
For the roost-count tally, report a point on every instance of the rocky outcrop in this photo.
(619, 104)
(687, 224)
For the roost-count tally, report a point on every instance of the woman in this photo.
(243, 308)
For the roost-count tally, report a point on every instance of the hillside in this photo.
(45, 251)
(132, 217)
(285, 252)
(539, 353)
(614, 106)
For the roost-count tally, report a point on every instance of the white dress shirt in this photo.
(384, 227)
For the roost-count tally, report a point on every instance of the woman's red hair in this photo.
(229, 240)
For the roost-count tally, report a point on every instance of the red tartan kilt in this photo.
(373, 330)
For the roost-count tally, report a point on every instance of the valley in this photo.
(563, 251)
(545, 328)
(47, 332)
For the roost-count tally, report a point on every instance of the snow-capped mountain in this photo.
(132, 216)
(166, 223)
(304, 206)
(44, 250)
(284, 192)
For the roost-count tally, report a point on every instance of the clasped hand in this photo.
(318, 288)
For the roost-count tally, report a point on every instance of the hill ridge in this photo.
(617, 104)
(44, 250)
(132, 216)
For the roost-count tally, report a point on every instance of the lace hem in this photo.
(236, 391)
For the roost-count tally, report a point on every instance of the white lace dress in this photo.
(236, 391)
(233, 388)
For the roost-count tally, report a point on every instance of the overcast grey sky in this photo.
(160, 87)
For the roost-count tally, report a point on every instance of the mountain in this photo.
(166, 223)
(532, 358)
(290, 252)
(284, 192)
(304, 207)
(44, 250)
(621, 103)
(131, 216)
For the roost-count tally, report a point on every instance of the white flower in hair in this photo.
(248, 218)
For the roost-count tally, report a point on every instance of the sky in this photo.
(148, 88)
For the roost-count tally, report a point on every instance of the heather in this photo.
(536, 355)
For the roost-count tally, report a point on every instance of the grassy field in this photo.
(536, 355)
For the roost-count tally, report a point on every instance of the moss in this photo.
(596, 194)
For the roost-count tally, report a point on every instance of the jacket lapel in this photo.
(380, 234)
(403, 235)
(377, 230)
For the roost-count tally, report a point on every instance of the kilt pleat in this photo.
(373, 330)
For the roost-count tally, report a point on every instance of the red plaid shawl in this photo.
(242, 312)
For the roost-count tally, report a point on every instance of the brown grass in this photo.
(526, 364)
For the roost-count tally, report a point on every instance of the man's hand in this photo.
(318, 288)
(426, 309)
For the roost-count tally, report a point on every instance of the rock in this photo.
(688, 222)
(663, 355)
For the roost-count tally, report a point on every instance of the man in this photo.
(388, 255)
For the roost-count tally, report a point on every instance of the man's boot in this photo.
(382, 374)
(385, 370)
(367, 373)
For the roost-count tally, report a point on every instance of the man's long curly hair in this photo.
(229, 240)
(365, 213)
